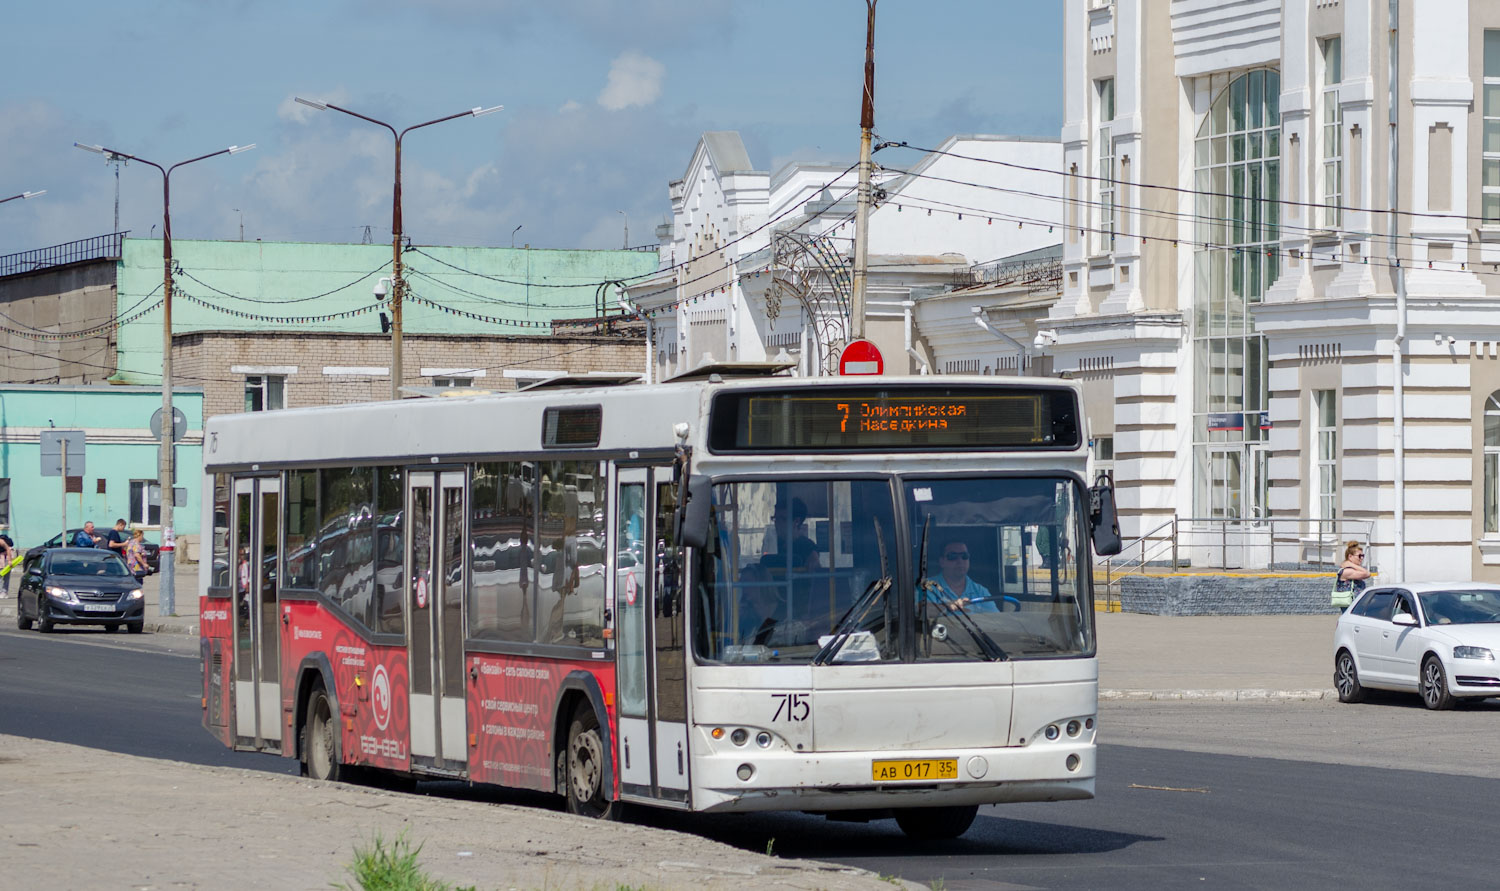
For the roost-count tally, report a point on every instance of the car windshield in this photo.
(1475, 607)
(1001, 577)
(810, 571)
(88, 564)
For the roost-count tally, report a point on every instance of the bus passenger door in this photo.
(257, 633)
(650, 646)
(434, 597)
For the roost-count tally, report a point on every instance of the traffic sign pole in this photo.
(64, 513)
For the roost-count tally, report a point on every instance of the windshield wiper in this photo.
(985, 643)
(852, 618)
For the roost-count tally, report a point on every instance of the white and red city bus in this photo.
(721, 593)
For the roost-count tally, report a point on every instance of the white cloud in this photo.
(634, 79)
(569, 106)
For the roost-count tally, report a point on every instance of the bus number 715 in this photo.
(796, 706)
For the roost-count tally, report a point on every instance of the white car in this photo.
(1437, 639)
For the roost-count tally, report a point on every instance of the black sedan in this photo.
(153, 551)
(78, 586)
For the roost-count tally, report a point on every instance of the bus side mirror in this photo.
(1104, 522)
(695, 512)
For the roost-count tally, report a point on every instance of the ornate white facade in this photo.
(1229, 277)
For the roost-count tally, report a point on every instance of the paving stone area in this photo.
(1214, 595)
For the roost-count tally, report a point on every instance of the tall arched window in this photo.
(1238, 182)
(1492, 464)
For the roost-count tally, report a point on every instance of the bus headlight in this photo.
(763, 739)
(740, 736)
(1051, 732)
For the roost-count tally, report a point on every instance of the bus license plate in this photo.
(924, 769)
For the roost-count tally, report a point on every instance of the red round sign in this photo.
(861, 357)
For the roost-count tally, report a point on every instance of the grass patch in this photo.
(382, 866)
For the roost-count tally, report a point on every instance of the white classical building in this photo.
(1231, 295)
(756, 265)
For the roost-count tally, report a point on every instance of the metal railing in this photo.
(1268, 544)
(99, 247)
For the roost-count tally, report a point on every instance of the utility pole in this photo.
(167, 600)
(398, 283)
(862, 209)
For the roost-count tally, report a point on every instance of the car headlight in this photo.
(1473, 653)
(62, 594)
(137, 594)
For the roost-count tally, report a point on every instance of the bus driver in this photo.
(954, 586)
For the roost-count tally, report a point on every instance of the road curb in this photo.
(167, 625)
(1252, 695)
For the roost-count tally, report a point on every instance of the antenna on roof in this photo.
(367, 237)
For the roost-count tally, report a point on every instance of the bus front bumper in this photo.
(838, 781)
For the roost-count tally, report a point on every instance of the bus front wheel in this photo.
(936, 823)
(320, 741)
(585, 780)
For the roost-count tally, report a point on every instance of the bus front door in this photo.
(435, 550)
(650, 650)
(257, 659)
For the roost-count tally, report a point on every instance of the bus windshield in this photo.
(1001, 574)
(811, 572)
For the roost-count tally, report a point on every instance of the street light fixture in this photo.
(398, 283)
(167, 604)
(23, 195)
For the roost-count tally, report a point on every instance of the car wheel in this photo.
(936, 823)
(1346, 678)
(43, 623)
(23, 621)
(586, 786)
(320, 740)
(111, 627)
(1435, 693)
(136, 627)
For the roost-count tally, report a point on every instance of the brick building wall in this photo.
(322, 368)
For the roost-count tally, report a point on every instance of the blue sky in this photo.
(604, 101)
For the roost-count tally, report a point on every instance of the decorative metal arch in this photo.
(810, 269)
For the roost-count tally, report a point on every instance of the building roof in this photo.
(727, 151)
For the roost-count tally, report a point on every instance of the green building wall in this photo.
(257, 286)
(119, 448)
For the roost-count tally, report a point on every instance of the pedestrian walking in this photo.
(87, 537)
(116, 538)
(135, 555)
(10, 558)
(1351, 577)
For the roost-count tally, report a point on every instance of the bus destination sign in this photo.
(895, 419)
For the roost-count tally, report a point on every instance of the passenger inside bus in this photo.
(787, 545)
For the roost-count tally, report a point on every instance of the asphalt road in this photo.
(1373, 796)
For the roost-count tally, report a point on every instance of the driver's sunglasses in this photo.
(956, 555)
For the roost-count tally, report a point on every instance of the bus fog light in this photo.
(739, 736)
(763, 739)
(1074, 727)
(1052, 732)
(746, 771)
(978, 767)
(1073, 762)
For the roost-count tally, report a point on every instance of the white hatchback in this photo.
(1436, 639)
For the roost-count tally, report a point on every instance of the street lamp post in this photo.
(167, 599)
(398, 282)
(23, 195)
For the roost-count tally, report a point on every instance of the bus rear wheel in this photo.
(936, 823)
(585, 780)
(320, 741)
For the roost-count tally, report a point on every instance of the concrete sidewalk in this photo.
(73, 817)
(1140, 656)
